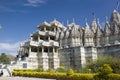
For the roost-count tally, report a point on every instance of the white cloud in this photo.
(10, 48)
(34, 3)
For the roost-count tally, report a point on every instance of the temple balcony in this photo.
(34, 43)
(42, 33)
(54, 44)
(45, 43)
(51, 33)
(26, 43)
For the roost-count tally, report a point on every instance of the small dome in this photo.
(88, 31)
(115, 17)
(44, 24)
(94, 26)
(56, 23)
(74, 32)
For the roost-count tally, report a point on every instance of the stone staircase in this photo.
(5, 72)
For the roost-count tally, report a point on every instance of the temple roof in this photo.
(94, 26)
(115, 17)
(99, 31)
(107, 29)
(88, 31)
(56, 23)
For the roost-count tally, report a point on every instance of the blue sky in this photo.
(20, 18)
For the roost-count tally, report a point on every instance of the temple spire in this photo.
(67, 21)
(106, 18)
(73, 20)
(94, 17)
(98, 21)
(118, 4)
(86, 21)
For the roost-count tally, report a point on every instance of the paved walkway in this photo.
(22, 78)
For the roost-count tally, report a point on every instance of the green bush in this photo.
(104, 59)
(39, 70)
(51, 71)
(57, 76)
(63, 76)
(105, 69)
(24, 70)
(103, 73)
(61, 69)
(70, 72)
(84, 70)
(114, 77)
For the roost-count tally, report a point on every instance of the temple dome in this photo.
(88, 31)
(115, 18)
(56, 23)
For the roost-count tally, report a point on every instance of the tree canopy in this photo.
(4, 59)
(105, 59)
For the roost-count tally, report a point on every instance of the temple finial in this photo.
(67, 21)
(73, 20)
(86, 21)
(54, 19)
(98, 21)
(118, 3)
(94, 17)
(106, 18)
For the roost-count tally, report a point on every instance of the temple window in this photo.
(52, 29)
(40, 49)
(52, 38)
(41, 37)
(45, 49)
(46, 38)
(35, 38)
(47, 29)
(50, 49)
(42, 29)
(34, 49)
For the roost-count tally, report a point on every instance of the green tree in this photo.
(61, 69)
(4, 59)
(103, 73)
(105, 69)
(104, 59)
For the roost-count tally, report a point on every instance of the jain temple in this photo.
(54, 44)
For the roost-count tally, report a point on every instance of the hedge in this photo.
(62, 76)
(57, 76)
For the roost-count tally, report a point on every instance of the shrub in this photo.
(84, 70)
(51, 71)
(39, 70)
(70, 72)
(63, 76)
(61, 69)
(105, 69)
(103, 73)
(104, 59)
(114, 77)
